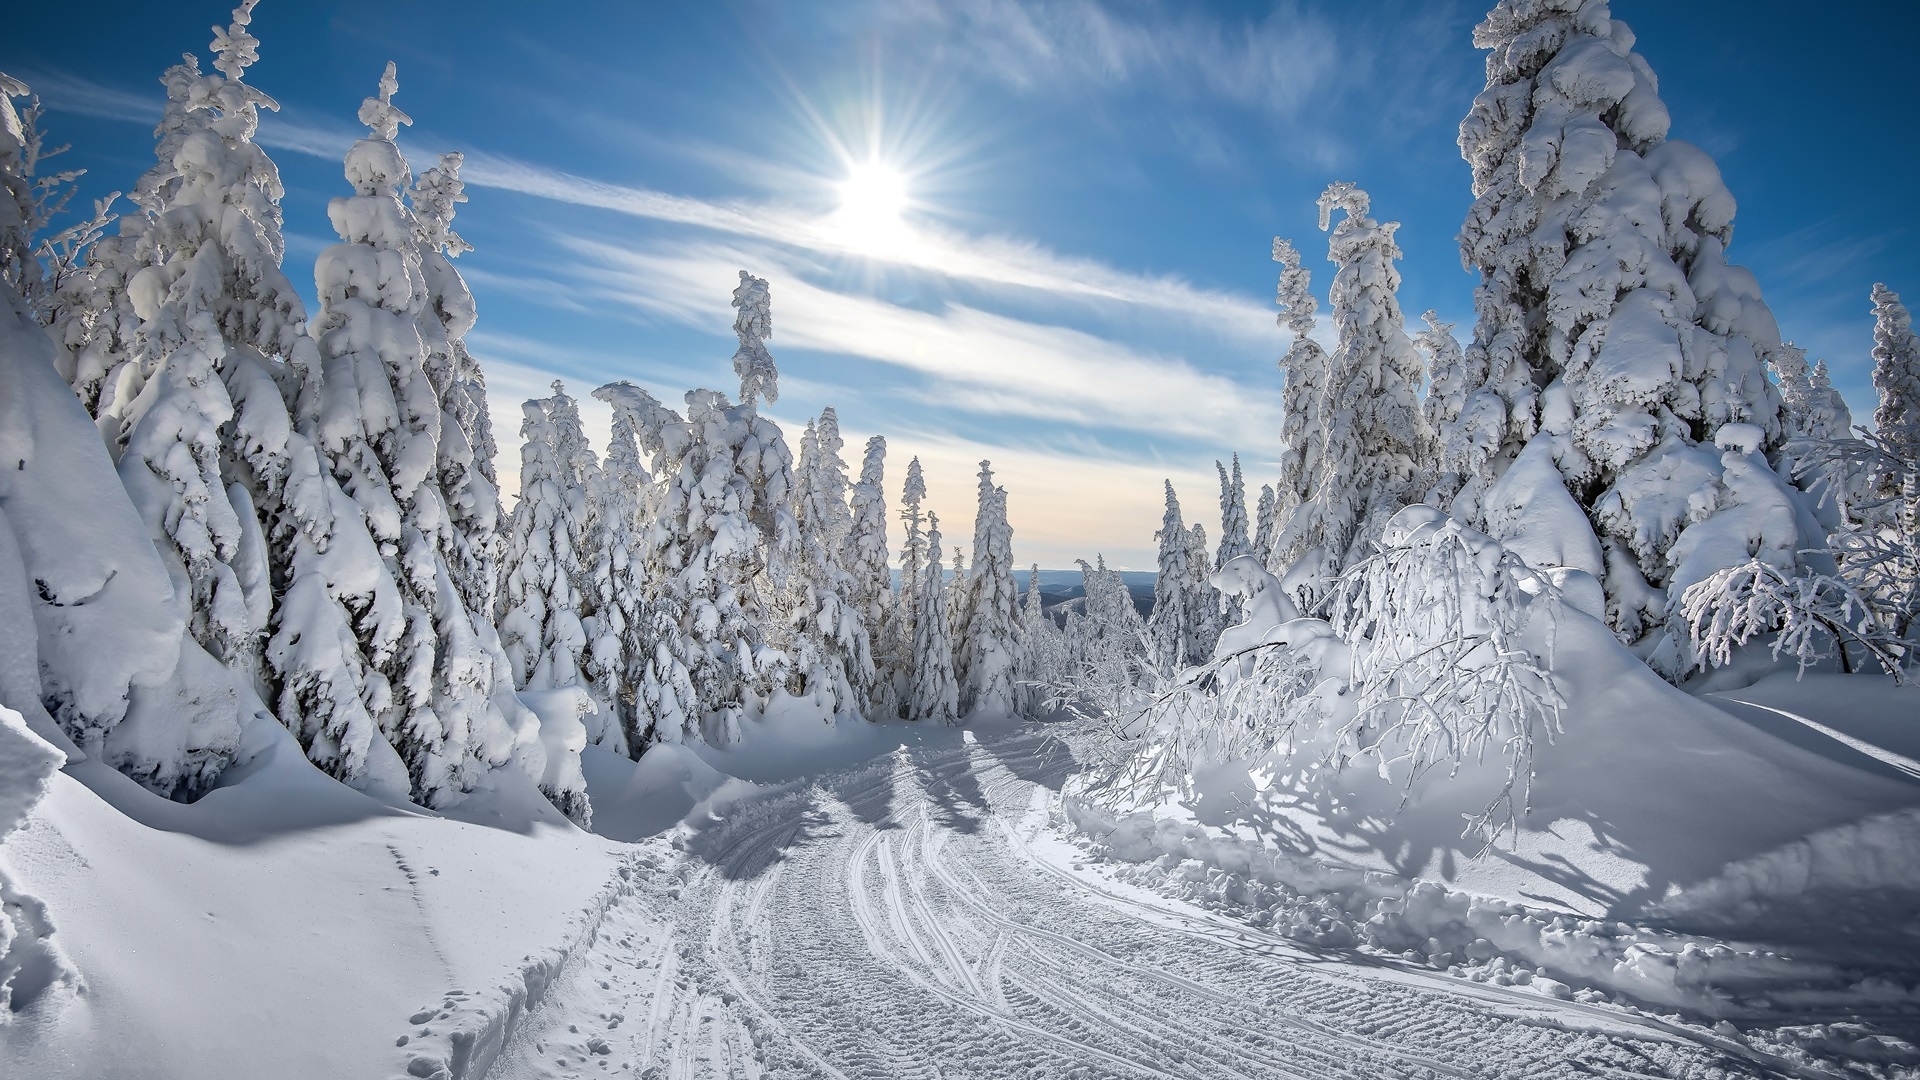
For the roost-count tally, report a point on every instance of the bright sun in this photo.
(872, 199)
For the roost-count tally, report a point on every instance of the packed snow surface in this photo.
(869, 901)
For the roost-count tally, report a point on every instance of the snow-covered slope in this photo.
(286, 925)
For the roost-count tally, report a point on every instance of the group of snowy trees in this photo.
(703, 576)
(1626, 434)
(1612, 422)
(220, 509)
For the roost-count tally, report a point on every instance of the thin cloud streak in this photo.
(995, 261)
(984, 363)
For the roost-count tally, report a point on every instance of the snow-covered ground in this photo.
(876, 901)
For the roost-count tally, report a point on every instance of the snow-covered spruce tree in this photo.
(615, 659)
(913, 560)
(380, 424)
(545, 564)
(825, 636)
(957, 601)
(1896, 417)
(1266, 525)
(989, 646)
(1610, 328)
(753, 325)
(209, 280)
(724, 489)
(465, 468)
(1201, 595)
(1464, 430)
(934, 694)
(1303, 401)
(1178, 638)
(1817, 424)
(1043, 648)
(871, 592)
(1234, 541)
(109, 364)
(1374, 438)
(657, 648)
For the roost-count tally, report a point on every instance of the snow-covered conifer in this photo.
(871, 592)
(380, 422)
(1609, 320)
(540, 599)
(1303, 401)
(1466, 431)
(1896, 369)
(466, 464)
(209, 281)
(989, 646)
(825, 635)
(1203, 599)
(1233, 514)
(934, 695)
(1266, 525)
(1375, 439)
(725, 481)
(617, 646)
(1177, 641)
(1233, 530)
(759, 378)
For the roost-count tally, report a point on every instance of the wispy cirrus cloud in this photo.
(992, 261)
(1273, 63)
(975, 360)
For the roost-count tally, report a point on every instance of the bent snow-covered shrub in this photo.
(1436, 653)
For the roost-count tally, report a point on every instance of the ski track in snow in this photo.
(894, 920)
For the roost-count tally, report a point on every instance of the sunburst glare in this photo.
(873, 202)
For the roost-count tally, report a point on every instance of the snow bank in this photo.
(31, 964)
(104, 607)
(1483, 938)
(287, 925)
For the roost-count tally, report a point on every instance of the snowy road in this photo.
(912, 918)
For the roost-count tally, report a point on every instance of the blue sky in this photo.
(1081, 290)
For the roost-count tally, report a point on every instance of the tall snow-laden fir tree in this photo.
(1234, 541)
(1203, 598)
(658, 648)
(209, 280)
(1233, 514)
(933, 694)
(1896, 370)
(618, 638)
(545, 565)
(466, 444)
(871, 591)
(753, 325)
(1266, 525)
(989, 646)
(957, 602)
(825, 635)
(1374, 438)
(721, 526)
(1609, 322)
(1303, 401)
(448, 716)
(913, 560)
(1177, 626)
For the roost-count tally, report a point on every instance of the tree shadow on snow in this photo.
(953, 792)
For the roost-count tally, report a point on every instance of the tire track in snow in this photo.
(861, 930)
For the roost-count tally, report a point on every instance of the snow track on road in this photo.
(896, 921)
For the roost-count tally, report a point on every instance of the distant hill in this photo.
(1061, 590)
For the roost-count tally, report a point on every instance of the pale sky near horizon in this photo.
(1032, 232)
